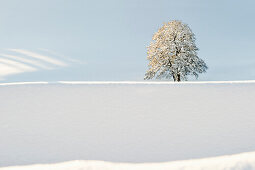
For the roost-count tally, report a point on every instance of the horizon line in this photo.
(128, 82)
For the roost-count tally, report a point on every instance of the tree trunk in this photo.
(174, 78)
(178, 77)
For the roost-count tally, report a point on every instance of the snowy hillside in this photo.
(126, 122)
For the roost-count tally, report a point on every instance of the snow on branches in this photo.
(173, 53)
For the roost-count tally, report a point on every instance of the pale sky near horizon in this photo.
(53, 40)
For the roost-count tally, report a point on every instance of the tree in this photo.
(173, 53)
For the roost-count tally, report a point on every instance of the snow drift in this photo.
(125, 122)
(245, 161)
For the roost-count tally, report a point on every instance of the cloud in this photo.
(17, 61)
(39, 56)
(27, 61)
(60, 55)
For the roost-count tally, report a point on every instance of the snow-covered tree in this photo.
(173, 53)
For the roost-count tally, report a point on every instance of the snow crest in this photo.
(244, 161)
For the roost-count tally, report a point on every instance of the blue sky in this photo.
(106, 40)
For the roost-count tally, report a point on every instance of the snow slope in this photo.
(124, 121)
(244, 161)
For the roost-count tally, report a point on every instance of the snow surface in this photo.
(244, 161)
(126, 122)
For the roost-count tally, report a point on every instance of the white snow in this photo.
(45, 122)
(244, 161)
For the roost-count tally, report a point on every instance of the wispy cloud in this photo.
(28, 61)
(39, 56)
(61, 56)
(17, 61)
(9, 67)
(6, 70)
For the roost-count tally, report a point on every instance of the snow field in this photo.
(126, 122)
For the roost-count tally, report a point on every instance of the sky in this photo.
(81, 40)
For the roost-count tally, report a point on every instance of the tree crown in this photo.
(173, 53)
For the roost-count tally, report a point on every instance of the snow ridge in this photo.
(131, 82)
(244, 161)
